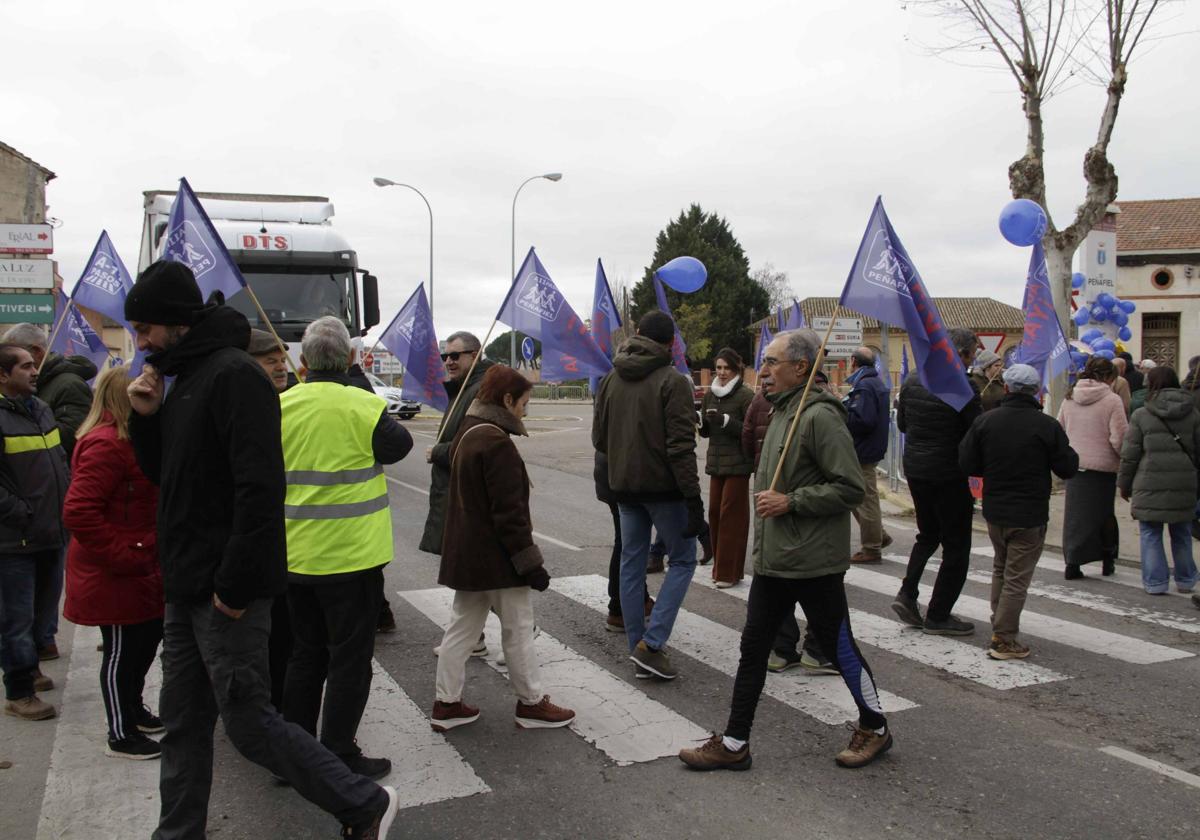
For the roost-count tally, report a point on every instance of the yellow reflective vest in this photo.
(336, 508)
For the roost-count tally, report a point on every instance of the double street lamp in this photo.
(385, 182)
(512, 335)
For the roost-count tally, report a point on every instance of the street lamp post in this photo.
(512, 334)
(384, 182)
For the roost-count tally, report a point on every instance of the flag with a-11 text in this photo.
(104, 283)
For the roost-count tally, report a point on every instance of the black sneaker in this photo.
(1196, 601)
(137, 748)
(386, 623)
(948, 626)
(378, 826)
(149, 722)
(372, 768)
(909, 611)
(1072, 572)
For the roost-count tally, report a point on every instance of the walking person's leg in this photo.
(308, 667)
(957, 512)
(1156, 576)
(514, 606)
(670, 518)
(635, 546)
(735, 527)
(279, 649)
(867, 514)
(1023, 549)
(149, 636)
(1181, 556)
(119, 727)
(467, 616)
(48, 591)
(716, 485)
(614, 564)
(18, 651)
(929, 534)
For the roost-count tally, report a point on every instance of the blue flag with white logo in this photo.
(77, 338)
(536, 307)
(884, 284)
(764, 338)
(678, 348)
(1043, 345)
(605, 320)
(410, 337)
(192, 240)
(104, 283)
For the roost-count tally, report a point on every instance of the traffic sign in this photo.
(26, 239)
(527, 348)
(33, 309)
(844, 339)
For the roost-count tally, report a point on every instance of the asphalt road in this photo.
(1093, 737)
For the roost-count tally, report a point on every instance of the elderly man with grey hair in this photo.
(339, 538)
(1015, 448)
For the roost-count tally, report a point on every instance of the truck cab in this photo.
(298, 265)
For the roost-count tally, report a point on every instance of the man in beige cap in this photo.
(272, 355)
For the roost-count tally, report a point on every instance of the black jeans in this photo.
(129, 651)
(614, 566)
(279, 647)
(945, 510)
(787, 640)
(823, 600)
(333, 640)
(215, 665)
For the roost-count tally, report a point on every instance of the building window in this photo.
(1162, 279)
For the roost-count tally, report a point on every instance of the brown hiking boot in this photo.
(714, 755)
(542, 715)
(1007, 649)
(449, 715)
(865, 746)
(614, 624)
(48, 652)
(867, 557)
(41, 682)
(29, 708)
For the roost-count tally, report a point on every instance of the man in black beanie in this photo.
(212, 443)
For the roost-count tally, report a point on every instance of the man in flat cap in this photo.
(1015, 447)
(271, 355)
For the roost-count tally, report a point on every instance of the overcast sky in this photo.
(786, 118)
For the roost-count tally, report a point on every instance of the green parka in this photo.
(1158, 471)
(724, 431)
(62, 385)
(823, 481)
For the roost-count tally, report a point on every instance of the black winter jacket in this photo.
(62, 385)
(33, 478)
(869, 416)
(933, 431)
(1014, 447)
(214, 450)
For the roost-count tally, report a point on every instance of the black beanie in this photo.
(657, 325)
(165, 293)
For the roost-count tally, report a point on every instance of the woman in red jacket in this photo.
(113, 578)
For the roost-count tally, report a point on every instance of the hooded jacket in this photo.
(63, 385)
(644, 421)
(933, 431)
(1094, 420)
(1159, 471)
(868, 415)
(214, 450)
(439, 471)
(823, 482)
(33, 478)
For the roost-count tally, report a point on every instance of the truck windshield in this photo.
(297, 295)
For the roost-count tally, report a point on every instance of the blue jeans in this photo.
(18, 651)
(47, 596)
(1156, 575)
(670, 518)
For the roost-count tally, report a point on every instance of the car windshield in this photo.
(297, 295)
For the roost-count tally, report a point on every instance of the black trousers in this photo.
(787, 640)
(945, 510)
(823, 600)
(129, 651)
(279, 647)
(333, 640)
(614, 566)
(216, 665)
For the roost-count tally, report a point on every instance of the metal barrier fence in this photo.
(894, 458)
(550, 391)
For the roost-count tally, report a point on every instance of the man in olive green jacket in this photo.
(801, 554)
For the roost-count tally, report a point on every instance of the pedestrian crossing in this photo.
(626, 721)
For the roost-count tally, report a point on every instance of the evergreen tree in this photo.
(732, 298)
(498, 350)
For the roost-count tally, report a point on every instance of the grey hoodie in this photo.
(1158, 458)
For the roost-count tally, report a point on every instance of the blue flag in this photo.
(410, 337)
(793, 318)
(903, 363)
(77, 338)
(104, 283)
(605, 319)
(1043, 345)
(764, 338)
(884, 284)
(885, 375)
(536, 307)
(192, 240)
(678, 348)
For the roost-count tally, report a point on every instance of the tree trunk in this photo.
(1058, 268)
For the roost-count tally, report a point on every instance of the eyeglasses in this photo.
(454, 356)
(771, 361)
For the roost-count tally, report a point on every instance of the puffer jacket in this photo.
(721, 421)
(1094, 420)
(63, 385)
(869, 416)
(754, 427)
(823, 482)
(1158, 458)
(33, 478)
(644, 422)
(933, 432)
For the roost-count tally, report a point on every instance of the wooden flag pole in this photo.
(812, 374)
(54, 332)
(466, 379)
(263, 316)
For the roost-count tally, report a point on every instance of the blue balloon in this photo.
(1127, 306)
(1104, 344)
(1077, 280)
(683, 274)
(1022, 222)
(1082, 317)
(1099, 315)
(1106, 354)
(1105, 300)
(1118, 317)
(1092, 333)
(1125, 333)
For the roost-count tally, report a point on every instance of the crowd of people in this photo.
(237, 517)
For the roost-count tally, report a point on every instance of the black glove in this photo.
(695, 511)
(538, 579)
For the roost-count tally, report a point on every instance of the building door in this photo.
(1160, 338)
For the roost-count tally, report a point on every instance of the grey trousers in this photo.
(1016, 556)
(214, 666)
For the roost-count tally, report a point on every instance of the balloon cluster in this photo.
(1105, 308)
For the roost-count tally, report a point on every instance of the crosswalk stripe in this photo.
(717, 646)
(621, 721)
(1093, 639)
(941, 652)
(1080, 598)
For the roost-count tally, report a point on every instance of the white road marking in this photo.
(615, 717)
(941, 652)
(538, 534)
(1150, 764)
(1082, 598)
(825, 698)
(1102, 642)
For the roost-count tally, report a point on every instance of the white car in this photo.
(397, 405)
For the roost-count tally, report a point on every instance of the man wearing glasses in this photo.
(459, 353)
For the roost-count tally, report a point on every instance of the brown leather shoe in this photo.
(446, 716)
(865, 557)
(865, 746)
(29, 708)
(714, 755)
(542, 714)
(48, 652)
(614, 624)
(654, 564)
(41, 682)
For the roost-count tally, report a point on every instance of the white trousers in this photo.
(467, 617)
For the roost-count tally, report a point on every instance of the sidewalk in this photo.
(899, 504)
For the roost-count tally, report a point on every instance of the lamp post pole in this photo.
(384, 182)
(512, 272)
